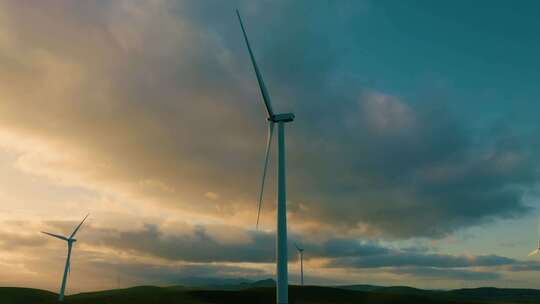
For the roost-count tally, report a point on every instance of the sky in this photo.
(413, 159)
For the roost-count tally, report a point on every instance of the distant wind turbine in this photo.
(537, 251)
(70, 240)
(301, 253)
(281, 120)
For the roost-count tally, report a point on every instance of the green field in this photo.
(297, 295)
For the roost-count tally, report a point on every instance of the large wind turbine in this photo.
(537, 251)
(70, 240)
(280, 120)
(301, 253)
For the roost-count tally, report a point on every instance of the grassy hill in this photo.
(497, 295)
(17, 295)
(140, 294)
(313, 294)
(297, 295)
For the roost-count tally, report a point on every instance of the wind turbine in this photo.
(280, 120)
(301, 253)
(537, 251)
(70, 240)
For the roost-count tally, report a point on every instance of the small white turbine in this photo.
(537, 251)
(301, 254)
(70, 240)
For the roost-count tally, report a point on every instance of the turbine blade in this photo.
(78, 227)
(55, 235)
(265, 167)
(534, 252)
(262, 86)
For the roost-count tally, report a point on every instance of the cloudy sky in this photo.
(414, 158)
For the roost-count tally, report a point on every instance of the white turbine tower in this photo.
(281, 120)
(537, 251)
(301, 254)
(70, 240)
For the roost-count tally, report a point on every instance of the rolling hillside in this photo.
(297, 295)
(17, 295)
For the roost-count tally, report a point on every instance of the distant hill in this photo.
(497, 295)
(17, 295)
(228, 285)
(483, 294)
(134, 295)
(314, 294)
(241, 286)
(405, 290)
(205, 282)
(264, 292)
(262, 283)
(359, 287)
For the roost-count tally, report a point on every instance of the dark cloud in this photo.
(396, 258)
(199, 246)
(183, 274)
(408, 171)
(151, 255)
(362, 157)
(346, 248)
(158, 99)
(524, 266)
(196, 246)
(352, 255)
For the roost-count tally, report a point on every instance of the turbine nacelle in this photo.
(284, 117)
